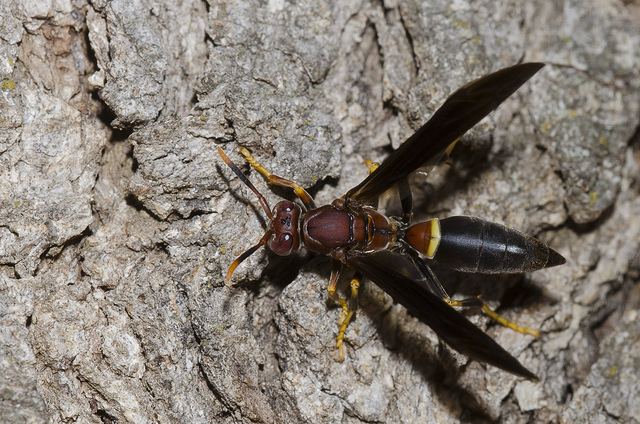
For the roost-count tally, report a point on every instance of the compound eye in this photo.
(281, 244)
(283, 207)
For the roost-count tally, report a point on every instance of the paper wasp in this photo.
(393, 252)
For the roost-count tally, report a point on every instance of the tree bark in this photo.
(118, 220)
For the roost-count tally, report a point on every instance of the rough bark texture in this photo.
(118, 220)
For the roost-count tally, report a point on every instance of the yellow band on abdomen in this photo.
(431, 246)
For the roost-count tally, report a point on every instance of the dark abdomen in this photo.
(471, 244)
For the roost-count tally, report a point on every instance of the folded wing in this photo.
(461, 111)
(397, 275)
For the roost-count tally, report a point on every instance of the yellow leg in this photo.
(493, 315)
(447, 152)
(333, 287)
(332, 291)
(450, 147)
(371, 165)
(278, 181)
(509, 324)
(348, 309)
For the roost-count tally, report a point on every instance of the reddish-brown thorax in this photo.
(335, 227)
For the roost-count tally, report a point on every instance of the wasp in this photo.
(395, 252)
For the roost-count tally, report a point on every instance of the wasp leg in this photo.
(449, 148)
(404, 191)
(509, 324)
(371, 165)
(332, 291)
(477, 302)
(278, 181)
(333, 287)
(348, 309)
(406, 200)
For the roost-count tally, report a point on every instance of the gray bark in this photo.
(118, 220)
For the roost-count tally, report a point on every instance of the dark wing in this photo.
(397, 275)
(461, 111)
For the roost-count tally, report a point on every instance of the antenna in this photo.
(244, 179)
(245, 255)
(263, 203)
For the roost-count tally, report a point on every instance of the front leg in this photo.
(272, 179)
